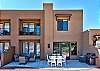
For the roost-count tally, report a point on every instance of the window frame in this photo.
(29, 32)
(9, 32)
(67, 25)
(28, 44)
(3, 43)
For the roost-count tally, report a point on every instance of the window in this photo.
(37, 49)
(73, 48)
(37, 28)
(4, 46)
(62, 25)
(30, 47)
(5, 28)
(25, 47)
(1, 48)
(68, 48)
(30, 28)
(1, 28)
(98, 43)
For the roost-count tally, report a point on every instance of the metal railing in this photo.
(30, 31)
(4, 32)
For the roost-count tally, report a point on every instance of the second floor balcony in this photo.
(30, 31)
(4, 32)
(29, 27)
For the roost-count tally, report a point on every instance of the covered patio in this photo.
(70, 64)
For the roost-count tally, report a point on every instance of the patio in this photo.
(70, 65)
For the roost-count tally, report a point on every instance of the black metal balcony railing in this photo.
(30, 31)
(4, 32)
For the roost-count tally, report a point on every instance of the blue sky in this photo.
(91, 8)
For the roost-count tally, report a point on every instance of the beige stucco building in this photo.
(44, 32)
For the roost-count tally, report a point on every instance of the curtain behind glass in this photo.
(25, 47)
(31, 47)
(1, 48)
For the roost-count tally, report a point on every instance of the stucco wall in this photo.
(49, 33)
(75, 28)
(88, 42)
(14, 16)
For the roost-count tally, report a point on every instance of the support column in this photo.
(48, 29)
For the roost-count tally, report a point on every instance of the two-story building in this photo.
(44, 32)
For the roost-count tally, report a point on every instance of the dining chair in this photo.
(59, 61)
(64, 56)
(58, 54)
(54, 54)
(53, 62)
(48, 59)
(52, 57)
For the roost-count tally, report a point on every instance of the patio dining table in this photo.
(56, 58)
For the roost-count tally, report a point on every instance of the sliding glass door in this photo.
(31, 47)
(67, 48)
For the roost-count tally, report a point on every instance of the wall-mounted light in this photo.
(48, 45)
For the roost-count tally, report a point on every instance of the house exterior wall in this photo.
(75, 28)
(85, 42)
(14, 16)
(49, 33)
(88, 41)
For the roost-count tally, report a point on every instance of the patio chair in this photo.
(16, 57)
(53, 62)
(64, 56)
(59, 61)
(54, 54)
(48, 59)
(32, 57)
(22, 60)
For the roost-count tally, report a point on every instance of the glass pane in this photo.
(6, 30)
(31, 27)
(65, 25)
(25, 47)
(1, 48)
(56, 47)
(65, 48)
(60, 25)
(25, 25)
(98, 43)
(6, 25)
(73, 48)
(31, 47)
(38, 28)
(1, 28)
(1, 25)
(37, 49)
(6, 46)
